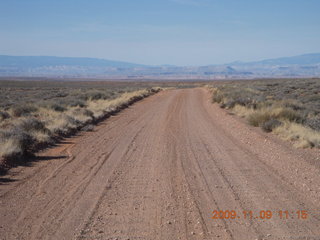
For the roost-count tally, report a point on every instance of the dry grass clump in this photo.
(242, 111)
(102, 107)
(302, 136)
(62, 126)
(29, 127)
(10, 148)
(229, 98)
(260, 116)
(286, 106)
(23, 137)
(14, 143)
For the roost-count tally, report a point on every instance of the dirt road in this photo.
(157, 171)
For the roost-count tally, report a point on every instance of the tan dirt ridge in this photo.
(158, 170)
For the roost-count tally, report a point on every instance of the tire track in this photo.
(157, 171)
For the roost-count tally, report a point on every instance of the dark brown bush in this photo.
(31, 124)
(19, 111)
(271, 124)
(83, 111)
(76, 103)
(4, 115)
(57, 107)
(88, 128)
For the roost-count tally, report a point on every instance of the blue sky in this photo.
(179, 32)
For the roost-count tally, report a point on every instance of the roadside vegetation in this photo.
(289, 108)
(33, 117)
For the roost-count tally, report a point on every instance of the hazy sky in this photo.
(180, 32)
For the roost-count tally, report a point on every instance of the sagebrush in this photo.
(288, 107)
(24, 128)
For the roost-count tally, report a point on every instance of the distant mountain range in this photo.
(45, 61)
(307, 65)
(306, 59)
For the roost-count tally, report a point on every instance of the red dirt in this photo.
(157, 170)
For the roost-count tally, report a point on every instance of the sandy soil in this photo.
(158, 170)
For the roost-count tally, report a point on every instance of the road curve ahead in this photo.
(163, 169)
